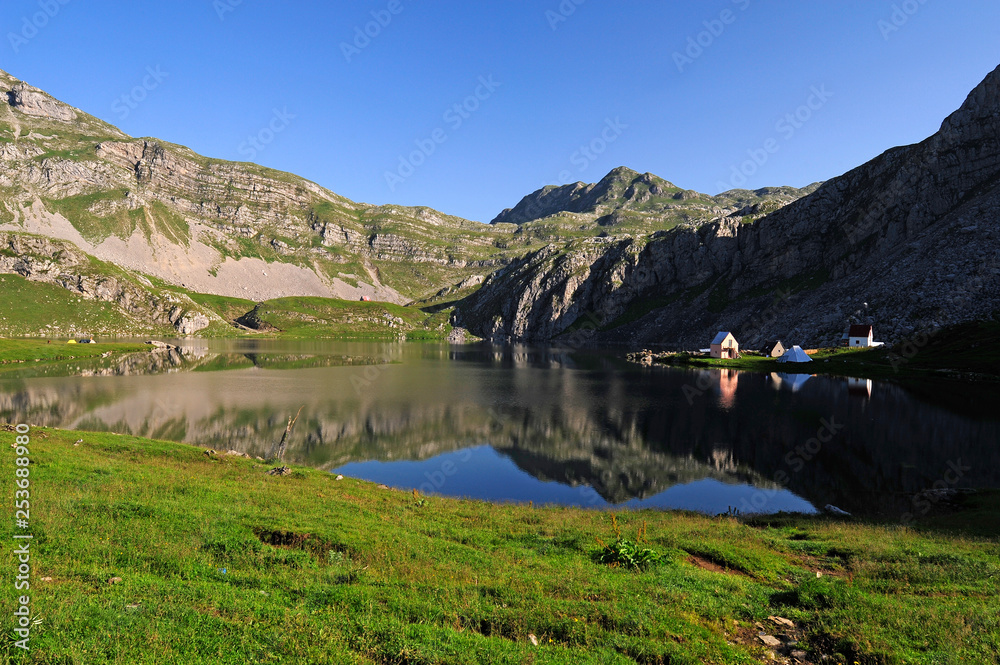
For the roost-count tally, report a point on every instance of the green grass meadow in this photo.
(220, 563)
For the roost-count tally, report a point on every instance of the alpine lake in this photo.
(544, 425)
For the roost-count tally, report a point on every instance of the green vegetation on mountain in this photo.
(151, 203)
(323, 317)
(153, 552)
(609, 248)
(39, 308)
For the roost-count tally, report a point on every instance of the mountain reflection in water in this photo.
(546, 425)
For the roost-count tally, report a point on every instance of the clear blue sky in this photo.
(226, 66)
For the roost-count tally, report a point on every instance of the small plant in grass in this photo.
(627, 553)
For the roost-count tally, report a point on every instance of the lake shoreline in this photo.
(21, 351)
(876, 364)
(966, 352)
(875, 368)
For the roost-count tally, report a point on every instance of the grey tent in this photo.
(795, 355)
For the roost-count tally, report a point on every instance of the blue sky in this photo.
(547, 91)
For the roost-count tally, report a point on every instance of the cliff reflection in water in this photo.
(574, 418)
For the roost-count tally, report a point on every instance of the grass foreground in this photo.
(152, 552)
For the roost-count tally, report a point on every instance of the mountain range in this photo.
(141, 235)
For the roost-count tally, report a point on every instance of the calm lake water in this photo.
(542, 424)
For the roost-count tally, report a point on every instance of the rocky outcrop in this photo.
(253, 321)
(51, 261)
(620, 188)
(189, 323)
(34, 102)
(909, 241)
(136, 202)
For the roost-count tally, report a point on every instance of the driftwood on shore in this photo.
(278, 452)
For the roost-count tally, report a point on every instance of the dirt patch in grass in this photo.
(705, 564)
(307, 542)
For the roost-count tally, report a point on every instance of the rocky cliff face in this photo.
(909, 241)
(45, 260)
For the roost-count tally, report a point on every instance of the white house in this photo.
(861, 336)
(773, 349)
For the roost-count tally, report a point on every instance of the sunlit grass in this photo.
(222, 563)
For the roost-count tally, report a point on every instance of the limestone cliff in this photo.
(908, 241)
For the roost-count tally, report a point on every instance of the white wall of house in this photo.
(860, 341)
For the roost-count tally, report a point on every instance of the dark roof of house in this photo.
(721, 337)
(771, 343)
(860, 331)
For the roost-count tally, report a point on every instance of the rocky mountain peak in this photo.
(619, 188)
(621, 173)
(981, 106)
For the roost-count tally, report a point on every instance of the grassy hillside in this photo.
(324, 317)
(152, 552)
(30, 308)
(39, 308)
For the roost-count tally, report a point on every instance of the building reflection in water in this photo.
(859, 387)
(728, 378)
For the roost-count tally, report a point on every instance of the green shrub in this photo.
(627, 553)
